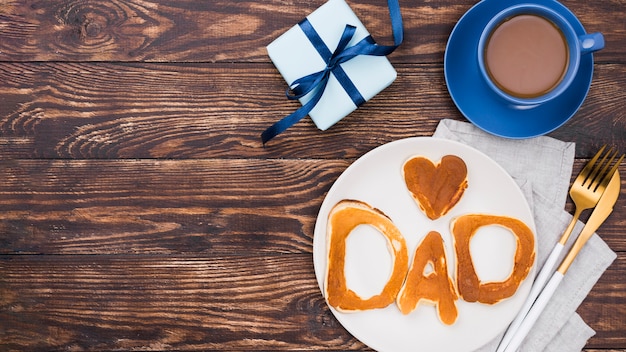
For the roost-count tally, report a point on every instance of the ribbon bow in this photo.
(317, 81)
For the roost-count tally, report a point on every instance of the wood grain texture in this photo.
(208, 207)
(152, 302)
(103, 110)
(233, 31)
(138, 208)
(606, 297)
(236, 302)
(164, 303)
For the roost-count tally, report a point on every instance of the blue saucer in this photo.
(483, 107)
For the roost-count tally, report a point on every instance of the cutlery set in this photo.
(598, 187)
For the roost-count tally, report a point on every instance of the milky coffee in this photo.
(526, 56)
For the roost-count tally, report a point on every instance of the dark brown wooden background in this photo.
(138, 208)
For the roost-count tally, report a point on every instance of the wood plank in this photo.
(233, 31)
(101, 110)
(190, 303)
(138, 208)
(212, 206)
(604, 309)
(157, 303)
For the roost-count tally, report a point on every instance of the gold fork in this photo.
(600, 213)
(585, 193)
(589, 186)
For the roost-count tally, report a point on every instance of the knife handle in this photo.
(535, 311)
(540, 281)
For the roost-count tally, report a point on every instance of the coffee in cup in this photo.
(529, 54)
(526, 56)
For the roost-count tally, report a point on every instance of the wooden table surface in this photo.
(139, 209)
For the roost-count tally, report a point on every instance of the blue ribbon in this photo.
(317, 81)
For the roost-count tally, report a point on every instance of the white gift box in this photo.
(294, 56)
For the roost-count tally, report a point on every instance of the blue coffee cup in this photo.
(576, 46)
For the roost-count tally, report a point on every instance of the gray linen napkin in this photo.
(542, 167)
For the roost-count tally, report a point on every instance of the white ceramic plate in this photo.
(376, 178)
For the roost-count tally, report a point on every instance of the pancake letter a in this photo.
(428, 280)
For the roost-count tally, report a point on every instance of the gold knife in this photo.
(599, 214)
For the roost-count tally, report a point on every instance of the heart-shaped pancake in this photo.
(435, 188)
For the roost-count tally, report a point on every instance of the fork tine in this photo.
(600, 170)
(607, 178)
(584, 173)
(596, 168)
